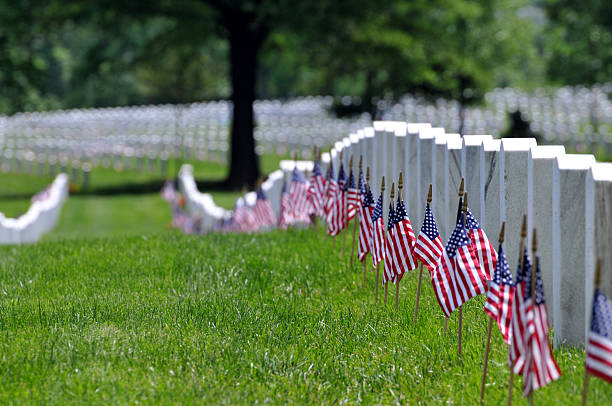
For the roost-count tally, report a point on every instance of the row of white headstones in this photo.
(567, 198)
(40, 218)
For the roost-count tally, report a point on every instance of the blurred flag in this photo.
(168, 192)
(298, 194)
(352, 198)
(377, 243)
(365, 217)
(499, 296)
(487, 257)
(458, 277)
(264, 215)
(340, 202)
(285, 218)
(541, 367)
(330, 191)
(518, 325)
(400, 243)
(428, 247)
(316, 190)
(599, 346)
(388, 272)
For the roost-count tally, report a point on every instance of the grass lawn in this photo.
(275, 317)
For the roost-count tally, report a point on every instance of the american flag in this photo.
(330, 190)
(499, 296)
(365, 217)
(428, 247)
(377, 243)
(458, 277)
(168, 192)
(599, 346)
(336, 214)
(487, 257)
(285, 218)
(298, 194)
(352, 198)
(400, 243)
(388, 272)
(316, 191)
(264, 215)
(541, 367)
(518, 325)
(244, 217)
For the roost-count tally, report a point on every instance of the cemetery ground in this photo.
(276, 316)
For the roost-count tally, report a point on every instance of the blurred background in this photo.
(118, 94)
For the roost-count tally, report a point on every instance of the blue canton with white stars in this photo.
(601, 322)
(342, 177)
(260, 194)
(392, 219)
(502, 270)
(459, 238)
(362, 184)
(429, 225)
(470, 221)
(298, 176)
(368, 200)
(351, 182)
(317, 168)
(378, 212)
(400, 210)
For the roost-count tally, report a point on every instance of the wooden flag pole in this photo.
(487, 348)
(418, 294)
(459, 208)
(585, 385)
(459, 348)
(356, 215)
(382, 188)
(386, 236)
(522, 263)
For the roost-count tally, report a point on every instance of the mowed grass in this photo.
(276, 318)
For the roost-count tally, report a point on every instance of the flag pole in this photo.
(534, 248)
(461, 189)
(459, 348)
(487, 348)
(400, 186)
(522, 263)
(313, 216)
(418, 294)
(585, 385)
(386, 236)
(382, 188)
(356, 214)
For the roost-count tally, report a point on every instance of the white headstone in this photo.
(473, 171)
(491, 187)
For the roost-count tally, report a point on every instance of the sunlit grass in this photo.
(276, 317)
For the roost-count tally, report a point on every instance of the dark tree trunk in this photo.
(245, 42)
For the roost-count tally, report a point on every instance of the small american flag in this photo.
(487, 257)
(518, 326)
(244, 217)
(264, 215)
(340, 201)
(352, 198)
(316, 191)
(298, 194)
(332, 194)
(541, 367)
(330, 190)
(599, 346)
(365, 217)
(400, 243)
(377, 243)
(499, 296)
(285, 218)
(428, 247)
(458, 277)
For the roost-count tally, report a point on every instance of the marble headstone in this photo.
(473, 171)
(491, 187)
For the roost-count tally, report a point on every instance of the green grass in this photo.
(268, 318)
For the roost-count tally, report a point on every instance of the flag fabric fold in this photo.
(298, 195)
(316, 191)
(599, 345)
(264, 215)
(377, 243)
(365, 218)
(399, 256)
(498, 304)
(428, 247)
(487, 257)
(352, 198)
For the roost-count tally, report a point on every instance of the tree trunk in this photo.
(245, 42)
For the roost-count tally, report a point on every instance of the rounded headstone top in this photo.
(518, 144)
(602, 171)
(575, 161)
(476, 140)
(547, 151)
(415, 128)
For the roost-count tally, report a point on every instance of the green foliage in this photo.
(236, 319)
